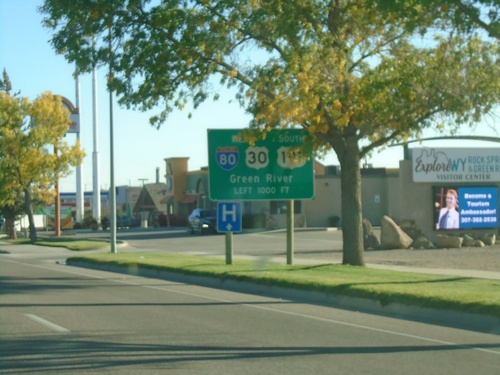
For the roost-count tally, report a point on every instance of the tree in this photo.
(28, 171)
(354, 78)
(15, 208)
(467, 16)
(5, 84)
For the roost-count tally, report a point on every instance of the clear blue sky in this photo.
(139, 149)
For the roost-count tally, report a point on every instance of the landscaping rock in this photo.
(468, 241)
(449, 241)
(479, 243)
(410, 228)
(489, 239)
(371, 242)
(392, 236)
(370, 239)
(422, 242)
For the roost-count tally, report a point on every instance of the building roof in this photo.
(151, 198)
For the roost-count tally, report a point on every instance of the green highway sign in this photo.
(272, 169)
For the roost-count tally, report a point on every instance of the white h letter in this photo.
(226, 211)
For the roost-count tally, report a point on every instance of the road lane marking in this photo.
(47, 324)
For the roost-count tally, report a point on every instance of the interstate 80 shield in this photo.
(227, 157)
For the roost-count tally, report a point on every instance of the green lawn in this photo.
(455, 293)
(71, 244)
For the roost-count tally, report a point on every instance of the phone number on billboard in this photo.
(486, 219)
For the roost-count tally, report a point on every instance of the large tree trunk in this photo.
(352, 229)
(29, 212)
(11, 226)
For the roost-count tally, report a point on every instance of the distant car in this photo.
(203, 220)
(126, 222)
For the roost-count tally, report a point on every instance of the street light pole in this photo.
(112, 210)
(57, 205)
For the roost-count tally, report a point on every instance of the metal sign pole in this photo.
(289, 233)
(229, 247)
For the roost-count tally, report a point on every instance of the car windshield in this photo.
(207, 213)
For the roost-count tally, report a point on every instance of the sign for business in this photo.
(479, 208)
(465, 207)
(456, 164)
(74, 115)
(270, 169)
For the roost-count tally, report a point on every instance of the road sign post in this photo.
(229, 221)
(229, 247)
(289, 233)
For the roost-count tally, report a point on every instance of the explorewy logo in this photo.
(456, 164)
(431, 160)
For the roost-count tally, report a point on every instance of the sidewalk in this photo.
(441, 271)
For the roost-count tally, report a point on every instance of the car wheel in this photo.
(190, 229)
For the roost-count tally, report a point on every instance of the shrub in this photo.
(333, 221)
(105, 223)
(253, 221)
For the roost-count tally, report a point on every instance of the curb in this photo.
(456, 319)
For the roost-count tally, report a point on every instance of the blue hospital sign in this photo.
(229, 217)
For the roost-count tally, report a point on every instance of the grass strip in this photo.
(442, 292)
(71, 244)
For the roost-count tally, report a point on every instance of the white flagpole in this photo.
(96, 200)
(80, 202)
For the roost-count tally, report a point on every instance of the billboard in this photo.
(456, 165)
(74, 115)
(465, 207)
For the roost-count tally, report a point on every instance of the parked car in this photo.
(127, 222)
(203, 220)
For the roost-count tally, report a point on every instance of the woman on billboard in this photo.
(449, 216)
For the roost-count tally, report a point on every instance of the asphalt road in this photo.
(62, 319)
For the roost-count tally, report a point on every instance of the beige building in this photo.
(185, 190)
(404, 194)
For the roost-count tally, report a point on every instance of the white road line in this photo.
(47, 324)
